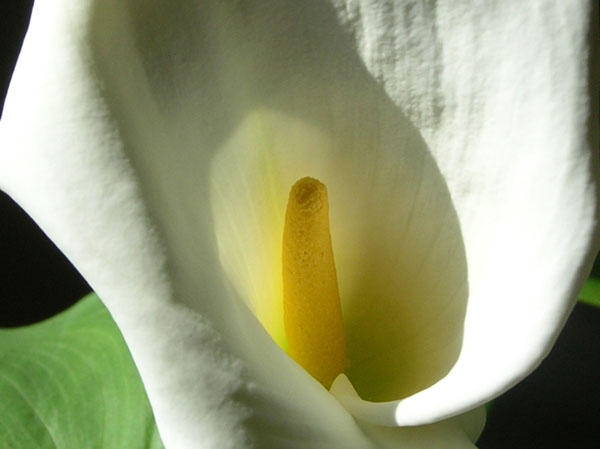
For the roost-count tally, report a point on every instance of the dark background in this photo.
(557, 407)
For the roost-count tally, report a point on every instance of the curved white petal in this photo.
(213, 376)
(130, 126)
(500, 93)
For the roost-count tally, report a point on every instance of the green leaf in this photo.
(591, 292)
(70, 382)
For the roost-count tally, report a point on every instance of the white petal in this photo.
(500, 93)
(134, 117)
(213, 375)
(457, 432)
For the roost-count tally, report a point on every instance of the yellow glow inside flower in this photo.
(312, 309)
(400, 263)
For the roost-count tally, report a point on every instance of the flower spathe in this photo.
(154, 144)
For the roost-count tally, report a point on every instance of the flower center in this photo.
(312, 311)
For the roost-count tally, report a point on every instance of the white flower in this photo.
(155, 142)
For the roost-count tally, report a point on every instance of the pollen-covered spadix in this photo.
(312, 311)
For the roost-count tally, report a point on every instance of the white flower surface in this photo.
(156, 142)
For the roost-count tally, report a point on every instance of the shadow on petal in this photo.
(223, 107)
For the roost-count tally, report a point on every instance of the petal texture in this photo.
(157, 146)
(500, 93)
(213, 376)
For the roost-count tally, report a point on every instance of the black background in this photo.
(558, 406)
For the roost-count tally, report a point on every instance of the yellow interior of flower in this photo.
(399, 255)
(312, 310)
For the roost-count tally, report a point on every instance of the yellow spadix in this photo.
(312, 311)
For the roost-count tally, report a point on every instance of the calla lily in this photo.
(155, 142)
